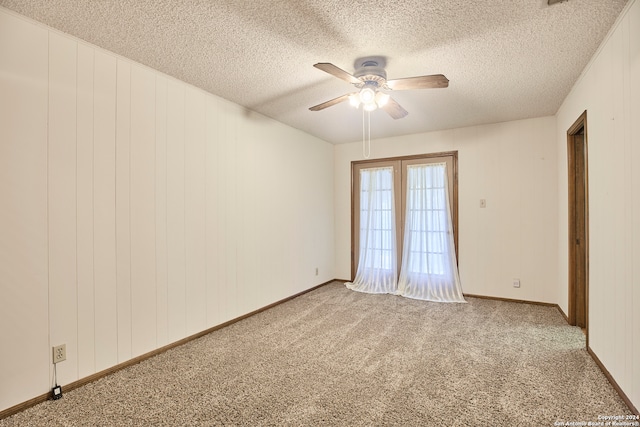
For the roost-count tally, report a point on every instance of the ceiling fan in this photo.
(371, 80)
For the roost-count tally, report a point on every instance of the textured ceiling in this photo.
(505, 59)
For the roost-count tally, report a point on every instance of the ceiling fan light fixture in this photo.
(367, 96)
(354, 100)
(382, 99)
(370, 106)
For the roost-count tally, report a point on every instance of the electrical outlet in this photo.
(516, 283)
(59, 353)
(316, 271)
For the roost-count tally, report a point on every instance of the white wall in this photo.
(609, 90)
(138, 210)
(24, 371)
(511, 165)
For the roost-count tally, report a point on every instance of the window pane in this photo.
(426, 217)
(377, 224)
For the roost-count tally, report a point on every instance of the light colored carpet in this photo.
(338, 357)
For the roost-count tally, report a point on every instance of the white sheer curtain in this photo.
(377, 264)
(429, 269)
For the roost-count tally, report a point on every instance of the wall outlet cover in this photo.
(59, 353)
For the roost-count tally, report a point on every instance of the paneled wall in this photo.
(510, 165)
(609, 90)
(24, 299)
(138, 210)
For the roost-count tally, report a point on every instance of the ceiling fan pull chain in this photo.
(364, 141)
(366, 153)
(369, 134)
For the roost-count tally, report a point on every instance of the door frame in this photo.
(356, 167)
(579, 127)
(454, 195)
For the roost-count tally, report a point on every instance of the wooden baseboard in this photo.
(94, 377)
(519, 301)
(24, 405)
(563, 313)
(613, 382)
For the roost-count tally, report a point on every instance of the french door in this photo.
(392, 178)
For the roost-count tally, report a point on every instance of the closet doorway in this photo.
(578, 224)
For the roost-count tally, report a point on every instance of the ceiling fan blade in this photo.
(330, 103)
(394, 109)
(337, 72)
(422, 82)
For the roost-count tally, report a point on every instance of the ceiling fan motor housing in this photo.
(371, 71)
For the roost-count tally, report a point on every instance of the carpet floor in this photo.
(338, 357)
